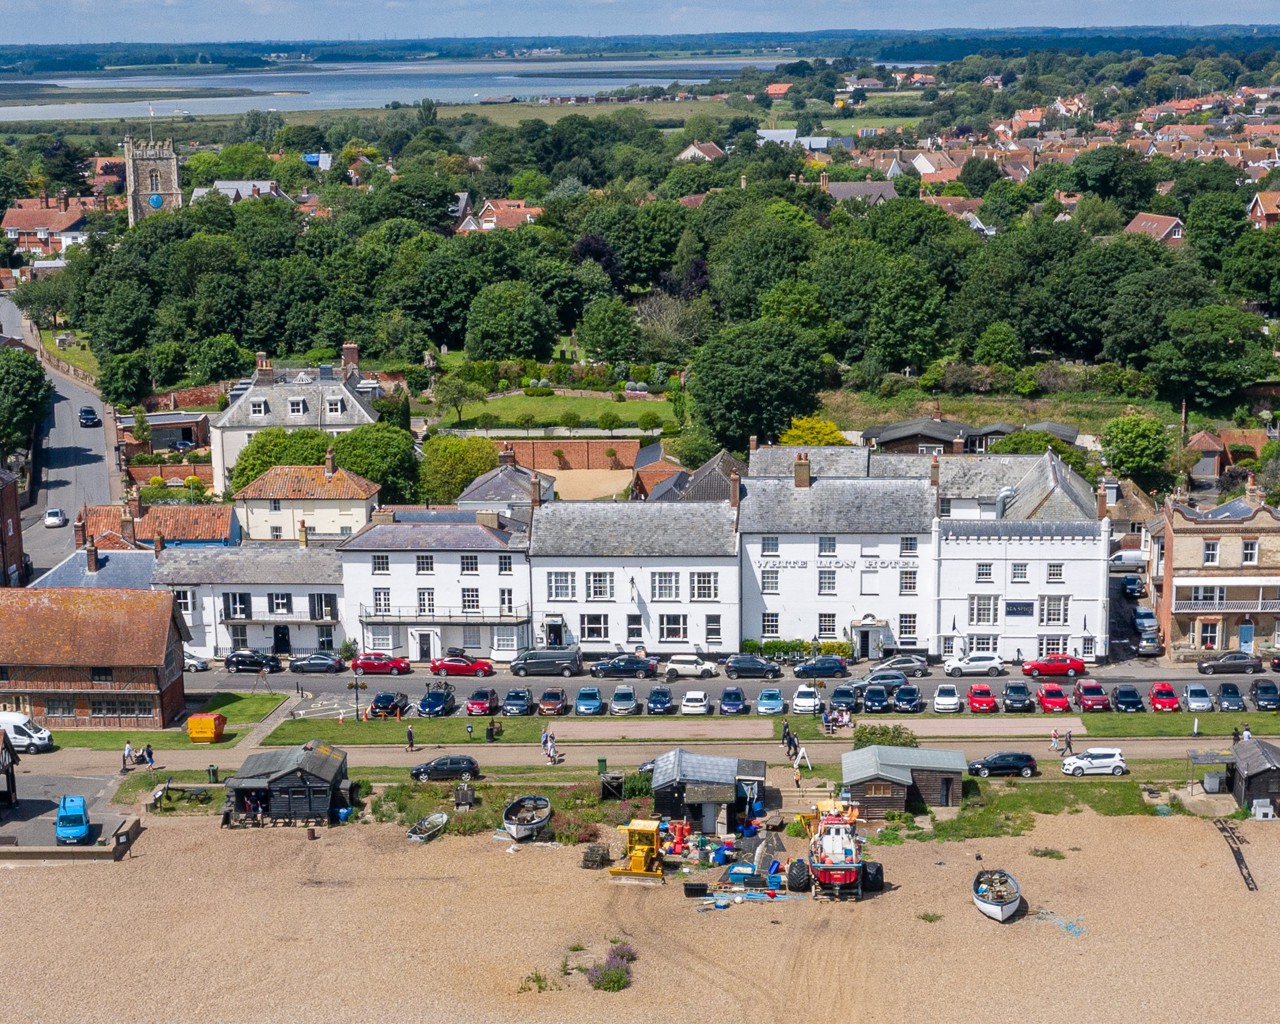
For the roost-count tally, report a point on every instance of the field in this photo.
(548, 410)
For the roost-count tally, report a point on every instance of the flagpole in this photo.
(151, 123)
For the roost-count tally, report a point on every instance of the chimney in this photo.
(507, 457)
(735, 489)
(159, 542)
(803, 476)
(126, 525)
(535, 497)
(303, 538)
(791, 178)
(753, 443)
(824, 180)
(1102, 500)
(350, 357)
(134, 501)
(78, 529)
(254, 191)
(937, 411)
(383, 517)
(330, 463)
(487, 517)
(91, 557)
(64, 202)
(957, 444)
(1251, 494)
(44, 200)
(264, 363)
(933, 472)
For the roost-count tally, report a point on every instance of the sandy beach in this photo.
(1145, 919)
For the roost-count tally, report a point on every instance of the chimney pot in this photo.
(1102, 500)
(753, 443)
(735, 489)
(78, 529)
(803, 474)
(383, 516)
(350, 356)
(255, 191)
(535, 497)
(507, 457)
(933, 472)
(91, 556)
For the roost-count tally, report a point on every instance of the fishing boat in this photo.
(835, 853)
(429, 827)
(526, 815)
(996, 894)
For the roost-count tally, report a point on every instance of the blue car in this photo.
(588, 702)
(770, 702)
(822, 667)
(876, 699)
(733, 701)
(438, 702)
(659, 702)
(72, 825)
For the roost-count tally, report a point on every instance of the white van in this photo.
(24, 734)
(1128, 560)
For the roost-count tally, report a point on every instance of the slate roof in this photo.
(669, 488)
(870, 192)
(250, 564)
(953, 528)
(117, 570)
(446, 534)
(924, 426)
(308, 483)
(1253, 757)
(315, 758)
(604, 529)
(307, 385)
(73, 627)
(682, 765)
(508, 484)
(710, 481)
(1052, 491)
(1059, 430)
(776, 506)
(896, 763)
(824, 461)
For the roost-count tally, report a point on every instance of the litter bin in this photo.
(213, 773)
(602, 765)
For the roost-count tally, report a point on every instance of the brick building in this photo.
(11, 561)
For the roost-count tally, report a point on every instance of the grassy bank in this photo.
(427, 732)
(160, 739)
(78, 356)
(548, 410)
(242, 708)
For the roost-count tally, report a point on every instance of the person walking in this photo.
(1247, 734)
(1066, 744)
(544, 739)
(150, 755)
(786, 734)
(128, 756)
(795, 777)
(1235, 735)
(408, 735)
(1053, 739)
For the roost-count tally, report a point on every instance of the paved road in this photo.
(32, 821)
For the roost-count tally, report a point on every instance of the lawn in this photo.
(549, 410)
(141, 784)
(160, 739)
(80, 358)
(1178, 723)
(242, 708)
(427, 732)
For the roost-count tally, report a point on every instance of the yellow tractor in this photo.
(642, 857)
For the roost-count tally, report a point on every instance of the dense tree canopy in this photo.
(450, 463)
(24, 399)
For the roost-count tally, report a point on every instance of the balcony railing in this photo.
(444, 613)
(298, 616)
(1251, 605)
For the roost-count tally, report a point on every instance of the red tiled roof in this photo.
(85, 627)
(25, 217)
(777, 89)
(301, 483)
(177, 522)
(1154, 225)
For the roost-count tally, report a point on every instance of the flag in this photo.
(151, 111)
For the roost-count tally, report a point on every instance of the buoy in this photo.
(737, 899)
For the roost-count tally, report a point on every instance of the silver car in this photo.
(1197, 698)
(624, 702)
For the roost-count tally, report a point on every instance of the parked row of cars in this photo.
(1094, 761)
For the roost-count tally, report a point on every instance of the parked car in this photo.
(517, 702)
(690, 666)
(909, 664)
(54, 517)
(1089, 695)
(1197, 698)
(484, 701)
(659, 701)
(375, 663)
(1007, 762)
(1126, 698)
(1129, 559)
(824, 666)
(1133, 586)
(456, 665)
(72, 823)
(182, 447)
(806, 701)
(624, 701)
(251, 661)
(561, 662)
(748, 666)
(875, 699)
(89, 416)
(1163, 697)
(1051, 698)
(889, 678)
(770, 702)
(733, 701)
(908, 700)
(974, 665)
(1095, 761)
(1275, 663)
(1148, 644)
(438, 702)
(946, 699)
(1230, 698)
(190, 663)
(1230, 661)
(624, 666)
(318, 662)
(589, 702)
(695, 703)
(1144, 620)
(1053, 665)
(451, 766)
(388, 704)
(844, 698)
(981, 700)
(1265, 695)
(553, 702)
(1017, 697)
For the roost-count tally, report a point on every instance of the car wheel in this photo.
(993, 672)
(1035, 673)
(731, 674)
(32, 748)
(1117, 770)
(1071, 673)
(955, 673)
(395, 672)
(1250, 670)
(332, 670)
(1025, 773)
(918, 673)
(705, 674)
(640, 674)
(465, 776)
(984, 772)
(1207, 670)
(772, 675)
(1077, 772)
(520, 673)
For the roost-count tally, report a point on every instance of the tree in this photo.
(125, 379)
(24, 399)
(609, 420)
(1116, 173)
(383, 453)
(648, 420)
(450, 463)
(219, 358)
(1211, 354)
(525, 422)
(608, 332)
(1248, 269)
(752, 379)
(122, 323)
(403, 419)
(1037, 442)
(167, 361)
(812, 430)
(453, 392)
(141, 428)
(276, 446)
(508, 320)
(906, 315)
(1137, 447)
(999, 343)
(1215, 222)
(979, 174)
(570, 420)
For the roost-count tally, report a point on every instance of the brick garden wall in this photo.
(585, 454)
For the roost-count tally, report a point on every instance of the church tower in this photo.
(151, 178)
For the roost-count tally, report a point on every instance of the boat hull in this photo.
(998, 902)
(525, 817)
(429, 827)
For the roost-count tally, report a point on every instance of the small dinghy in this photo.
(429, 827)
(526, 816)
(996, 894)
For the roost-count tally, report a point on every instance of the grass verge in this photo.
(1008, 808)
(141, 784)
(160, 739)
(1179, 723)
(427, 732)
(548, 410)
(242, 708)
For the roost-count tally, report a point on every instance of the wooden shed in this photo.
(302, 784)
(713, 792)
(1256, 775)
(889, 778)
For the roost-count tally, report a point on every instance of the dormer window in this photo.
(297, 406)
(333, 406)
(258, 407)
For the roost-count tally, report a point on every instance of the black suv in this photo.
(748, 666)
(1017, 697)
(659, 702)
(625, 666)
(1007, 762)
(908, 700)
(822, 665)
(451, 766)
(844, 698)
(1265, 695)
(251, 661)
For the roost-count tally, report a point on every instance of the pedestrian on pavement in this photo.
(149, 754)
(1248, 733)
(128, 756)
(1053, 739)
(1066, 745)
(786, 733)
(795, 777)
(408, 735)
(1235, 735)
(544, 739)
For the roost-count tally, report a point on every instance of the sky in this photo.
(73, 21)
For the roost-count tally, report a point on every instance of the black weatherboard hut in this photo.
(1256, 775)
(306, 783)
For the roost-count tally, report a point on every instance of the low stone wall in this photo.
(116, 847)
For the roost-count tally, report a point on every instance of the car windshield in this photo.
(732, 695)
(907, 693)
(551, 695)
(623, 693)
(771, 695)
(946, 691)
(588, 694)
(1228, 690)
(1267, 688)
(1016, 690)
(1052, 692)
(1163, 691)
(876, 692)
(1092, 691)
(72, 820)
(839, 692)
(480, 695)
(1198, 691)
(660, 691)
(1127, 693)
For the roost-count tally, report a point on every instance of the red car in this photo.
(462, 666)
(1090, 696)
(376, 661)
(1051, 698)
(484, 702)
(981, 700)
(1054, 665)
(1164, 698)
